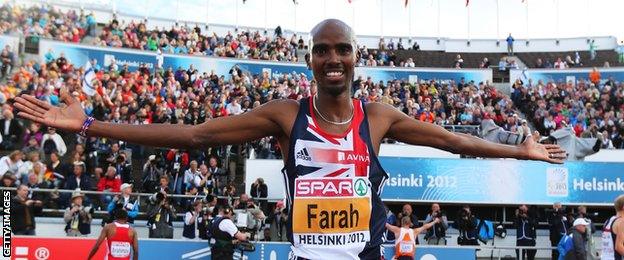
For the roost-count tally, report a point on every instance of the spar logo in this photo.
(557, 182)
(331, 187)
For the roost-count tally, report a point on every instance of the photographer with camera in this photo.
(78, 217)
(160, 216)
(224, 234)
(525, 231)
(129, 204)
(123, 168)
(191, 220)
(437, 234)
(558, 225)
(467, 226)
(178, 161)
(151, 174)
(259, 191)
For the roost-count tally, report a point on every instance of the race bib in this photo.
(406, 247)
(331, 211)
(120, 249)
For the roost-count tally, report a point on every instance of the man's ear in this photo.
(308, 60)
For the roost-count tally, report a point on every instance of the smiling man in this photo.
(329, 143)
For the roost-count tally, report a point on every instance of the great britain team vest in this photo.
(334, 184)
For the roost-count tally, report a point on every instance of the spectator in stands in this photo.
(11, 163)
(539, 64)
(590, 228)
(151, 174)
(592, 49)
(78, 180)
(392, 220)
(577, 59)
(558, 226)
(415, 46)
(129, 204)
(191, 221)
(33, 185)
(559, 64)
(9, 181)
(459, 62)
(190, 174)
(123, 169)
(579, 238)
(7, 62)
(204, 181)
(510, 41)
(164, 185)
(221, 177)
(31, 146)
(410, 63)
(485, 64)
(32, 165)
(569, 62)
(466, 223)
(34, 131)
(594, 76)
(280, 216)
(259, 192)
(526, 222)
(437, 234)
(11, 131)
(502, 64)
(53, 142)
(407, 211)
(78, 217)
(23, 211)
(178, 161)
(160, 217)
(59, 172)
(108, 184)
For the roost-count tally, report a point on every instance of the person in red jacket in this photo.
(109, 183)
(178, 162)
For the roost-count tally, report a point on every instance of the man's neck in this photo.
(335, 108)
(620, 213)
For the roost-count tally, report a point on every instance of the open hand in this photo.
(69, 118)
(551, 153)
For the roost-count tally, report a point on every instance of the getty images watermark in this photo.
(6, 224)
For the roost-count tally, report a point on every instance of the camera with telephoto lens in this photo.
(157, 198)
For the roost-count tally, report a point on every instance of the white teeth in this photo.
(334, 74)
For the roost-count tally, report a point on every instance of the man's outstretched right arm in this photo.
(260, 122)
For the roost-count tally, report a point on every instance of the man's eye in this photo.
(320, 51)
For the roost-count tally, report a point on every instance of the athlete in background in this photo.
(329, 140)
(405, 243)
(121, 239)
(613, 233)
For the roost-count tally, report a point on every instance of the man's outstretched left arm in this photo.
(408, 130)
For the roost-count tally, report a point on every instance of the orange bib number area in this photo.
(331, 215)
(331, 211)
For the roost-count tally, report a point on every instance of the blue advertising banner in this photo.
(79, 54)
(501, 181)
(565, 75)
(185, 249)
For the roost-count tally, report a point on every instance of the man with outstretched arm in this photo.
(329, 138)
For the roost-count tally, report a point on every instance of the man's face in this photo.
(77, 170)
(407, 209)
(580, 228)
(333, 57)
(22, 191)
(435, 207)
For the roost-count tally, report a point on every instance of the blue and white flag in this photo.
(87, 79)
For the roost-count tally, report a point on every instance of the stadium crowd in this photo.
(593, 107)
(46, 21)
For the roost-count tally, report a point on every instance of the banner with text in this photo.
(480, 181)
(44, 248)
(563, 75)
(501, 181)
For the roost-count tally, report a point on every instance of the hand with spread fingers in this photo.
(69, 117)
(551, 153)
